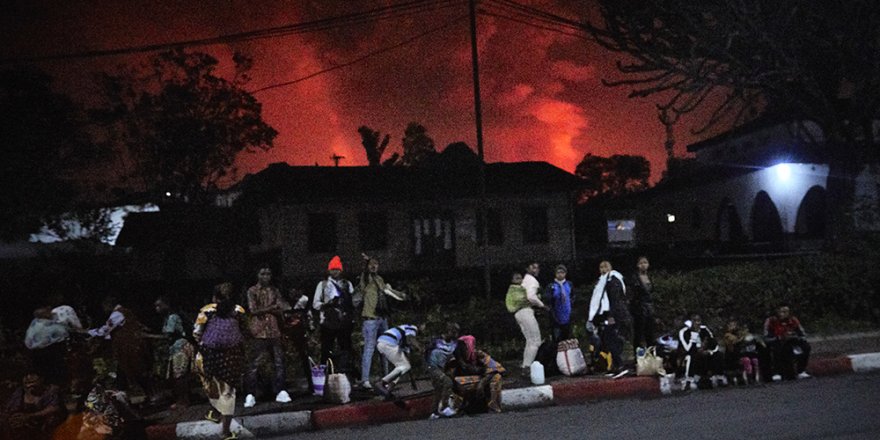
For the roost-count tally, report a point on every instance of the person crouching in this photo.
(394, 344)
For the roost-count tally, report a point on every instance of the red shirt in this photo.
(781, 328)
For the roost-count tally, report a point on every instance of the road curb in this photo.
(830, 366)
(370, 412)
(530, 397)
(863, 363)
(565, 392)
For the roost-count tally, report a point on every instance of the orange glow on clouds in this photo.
(542, 92)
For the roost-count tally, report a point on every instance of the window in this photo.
(621, 231)
(535, 225)
(494, 227)
(373, 230)
(322, 233)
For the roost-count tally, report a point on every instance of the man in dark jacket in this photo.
(609, 314)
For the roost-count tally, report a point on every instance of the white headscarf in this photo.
(599, 303)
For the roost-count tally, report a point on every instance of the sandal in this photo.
(231, 436)
(211, 418)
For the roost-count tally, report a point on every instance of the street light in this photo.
(783, 172)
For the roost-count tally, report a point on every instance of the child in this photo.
(742, 351)
(516, 294)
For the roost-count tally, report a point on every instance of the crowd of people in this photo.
(621, 307)
(227, 346)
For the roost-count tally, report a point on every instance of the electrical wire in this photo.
(361, 58)
(373, 15)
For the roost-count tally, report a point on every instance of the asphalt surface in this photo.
(841, 407)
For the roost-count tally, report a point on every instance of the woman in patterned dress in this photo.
(221, 352)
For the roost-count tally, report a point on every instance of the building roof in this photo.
(453, 174)
(759, 123)
(191, 226)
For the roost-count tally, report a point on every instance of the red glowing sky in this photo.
(542, 93)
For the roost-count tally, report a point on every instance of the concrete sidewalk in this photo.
(573, 390)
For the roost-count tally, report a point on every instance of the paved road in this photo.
(843, 407)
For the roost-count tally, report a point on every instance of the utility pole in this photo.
(336, 159)
(482, 222)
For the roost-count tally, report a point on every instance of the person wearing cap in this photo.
(559, 299)
(333, 299)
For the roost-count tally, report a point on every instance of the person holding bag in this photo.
(221, 353)
(333, 299)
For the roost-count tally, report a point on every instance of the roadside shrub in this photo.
(841, 291)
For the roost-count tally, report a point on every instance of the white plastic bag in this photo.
(338, 388)
(570, 358)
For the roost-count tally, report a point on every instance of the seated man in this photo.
(788, 345)
(33, 411)
(477, 377)
(699, 354)
(438, 354)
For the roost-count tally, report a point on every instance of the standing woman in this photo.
(641, 304)
(173, 353)
(221, 348)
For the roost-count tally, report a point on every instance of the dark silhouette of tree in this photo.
(42, 143)
(178, 125)
(418, 147)
(810, 61)
(373, 147)
(615, 175)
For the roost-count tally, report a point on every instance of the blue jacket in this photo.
(559, 298)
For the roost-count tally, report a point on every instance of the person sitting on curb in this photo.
(394, 344)
(700, 354)
(33, 410)
(477, 377)
(788, 344)
(438, 354)
(742, 352)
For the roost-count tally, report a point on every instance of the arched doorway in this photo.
(766, 224)
(811, 215)
(729, 227)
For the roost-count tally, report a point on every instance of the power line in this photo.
(527, 23)
(361, 58)
(541, 14)
(382, 13)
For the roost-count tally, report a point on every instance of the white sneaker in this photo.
(434, 416)
(803, 375)
(366, 385)
(448, 412)
(777, 378)
(282, 397)
(724, 380)
(250, 401)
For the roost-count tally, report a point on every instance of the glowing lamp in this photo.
(168, 194)
(670, 218)
(783, 172)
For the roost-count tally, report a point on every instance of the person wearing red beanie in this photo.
(333, 299)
